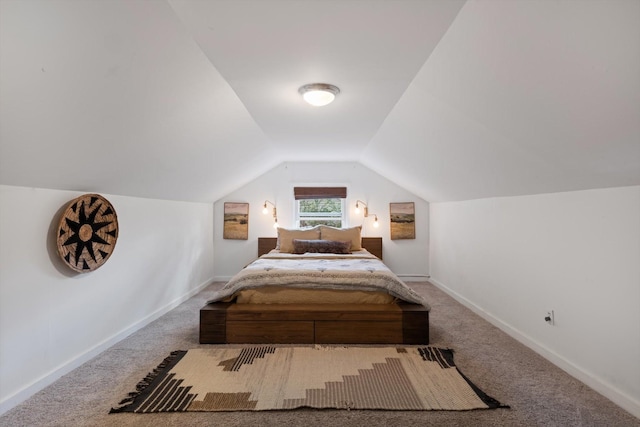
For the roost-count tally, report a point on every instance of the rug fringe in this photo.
(491, 402)
(144, 384)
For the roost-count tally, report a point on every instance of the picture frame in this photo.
(402, 220)
(236, 221)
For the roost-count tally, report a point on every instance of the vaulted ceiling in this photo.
(190, 99)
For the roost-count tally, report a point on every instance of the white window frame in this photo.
(321, 216)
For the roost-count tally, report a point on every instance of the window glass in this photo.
(312, 212)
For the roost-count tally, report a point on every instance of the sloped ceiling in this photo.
(190, 99)
(520, 97)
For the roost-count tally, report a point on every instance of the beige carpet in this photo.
(539, 393)
(263, 378)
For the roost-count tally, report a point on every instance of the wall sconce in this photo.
(366, 209)
(366, 212)
(265, 211)
(376, 224)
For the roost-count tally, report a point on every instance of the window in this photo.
(312, 212)
(320, 205)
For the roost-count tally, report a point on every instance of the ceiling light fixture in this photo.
(319, 94)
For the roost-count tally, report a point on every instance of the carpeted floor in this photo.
(539, 393)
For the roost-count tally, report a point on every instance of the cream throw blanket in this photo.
(358, 271)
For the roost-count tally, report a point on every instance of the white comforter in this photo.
(358, 271)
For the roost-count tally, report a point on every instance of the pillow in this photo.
(285, 237)
(321, 246)
(342, 234)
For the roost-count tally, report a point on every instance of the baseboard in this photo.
(616, 396)
(413, 277)
(405, 277)
(47, 379)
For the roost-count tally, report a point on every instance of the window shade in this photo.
(319, 193)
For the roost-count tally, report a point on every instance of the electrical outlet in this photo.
(550, 318)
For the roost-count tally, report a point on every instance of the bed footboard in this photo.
(400, 323)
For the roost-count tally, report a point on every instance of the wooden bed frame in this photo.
(399, 323)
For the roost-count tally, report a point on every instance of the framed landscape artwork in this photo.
(236, 221)
(403, 220)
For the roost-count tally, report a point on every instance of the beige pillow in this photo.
(286, 236)
(343, 234)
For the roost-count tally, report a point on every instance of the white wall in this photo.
(577, 253)
(52, 319)
(404, 257)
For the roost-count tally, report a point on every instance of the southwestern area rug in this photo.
(277, 378)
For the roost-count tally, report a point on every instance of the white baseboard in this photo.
(47, 379)
(404, 277)
(607, 390)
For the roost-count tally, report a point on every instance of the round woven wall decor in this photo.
(87, 232)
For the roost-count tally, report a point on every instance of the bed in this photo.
(255, 306)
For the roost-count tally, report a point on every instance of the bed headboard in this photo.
(372, 244)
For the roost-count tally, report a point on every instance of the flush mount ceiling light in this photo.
(319, 94)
